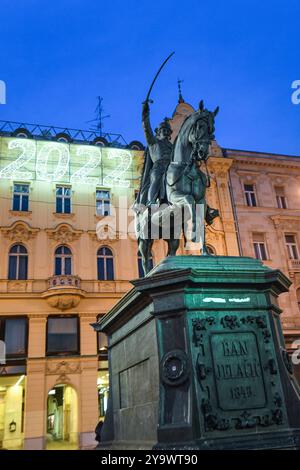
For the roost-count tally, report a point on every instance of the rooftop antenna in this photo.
(98, 126)
(180, 98)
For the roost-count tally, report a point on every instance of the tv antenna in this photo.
(98, 126)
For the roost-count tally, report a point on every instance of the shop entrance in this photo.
(62, 418)
(12, 394)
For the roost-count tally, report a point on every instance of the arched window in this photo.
(63, 261)
(18, 262)
(140, 265)
(105, 264)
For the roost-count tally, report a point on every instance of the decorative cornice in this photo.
(259, 161)
(19, 231)
(215, 150)
(247, 174)
(64, 233)
(278, 178)
(286, 222)
(220, 167)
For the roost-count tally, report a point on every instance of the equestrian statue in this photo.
(171, 199)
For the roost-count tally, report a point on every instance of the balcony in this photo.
(294, 265)
(61, 282)
(64, 292)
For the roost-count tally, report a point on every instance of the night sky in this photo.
(57, 56)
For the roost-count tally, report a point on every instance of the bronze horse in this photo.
(186, 185)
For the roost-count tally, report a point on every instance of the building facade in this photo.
(68, 253)
(266, 194)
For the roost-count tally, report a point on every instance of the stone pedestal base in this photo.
(197, 359)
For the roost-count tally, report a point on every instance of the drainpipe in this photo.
(235, 217)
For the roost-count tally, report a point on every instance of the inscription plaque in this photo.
(237, 371)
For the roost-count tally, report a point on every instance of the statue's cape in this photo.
(142, 196)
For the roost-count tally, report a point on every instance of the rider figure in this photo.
(160, 150)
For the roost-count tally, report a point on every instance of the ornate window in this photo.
(140, 265)
(18, 262)
(20, 197)
(291, 245)
(250, 195)
(105, 264)
(63, 200)
(260, 248)
(63, 261)
(102, 202)
(280, 197)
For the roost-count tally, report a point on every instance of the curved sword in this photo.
(147, 100)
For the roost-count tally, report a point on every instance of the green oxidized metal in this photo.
(233, 359)
(225, 378)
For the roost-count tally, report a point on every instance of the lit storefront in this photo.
(12, 403)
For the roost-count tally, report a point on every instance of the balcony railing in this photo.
(9, 128)
(294, 264)
(59, 282)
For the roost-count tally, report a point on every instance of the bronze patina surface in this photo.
(216, 375)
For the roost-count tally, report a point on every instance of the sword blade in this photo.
(158, 72)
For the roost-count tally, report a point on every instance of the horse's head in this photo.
(195, 135)
(202, 132)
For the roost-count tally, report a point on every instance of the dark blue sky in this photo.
(57, 56)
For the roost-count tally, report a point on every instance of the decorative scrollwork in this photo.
(212, 422)
(260, 321)
(200, 325)
(246, 421)
(230, 321)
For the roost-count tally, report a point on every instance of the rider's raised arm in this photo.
(146, 124)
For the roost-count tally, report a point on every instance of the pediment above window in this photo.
(19, 232)
(64, 233)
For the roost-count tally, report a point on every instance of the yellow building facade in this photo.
(266, 192)
(68, 253)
